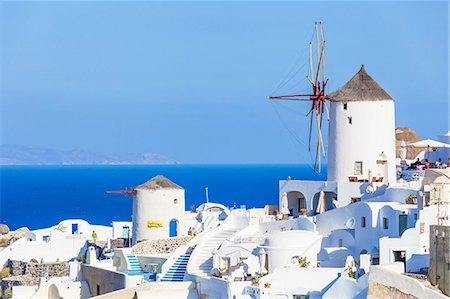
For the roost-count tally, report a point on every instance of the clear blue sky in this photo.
(191, 80)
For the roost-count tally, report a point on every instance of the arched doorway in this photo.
(330, 201)
(296, 203)
(173, 228)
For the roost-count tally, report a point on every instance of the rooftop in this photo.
(360, 88)
(159, 182)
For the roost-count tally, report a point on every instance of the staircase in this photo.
(135, 267)
(178, 269)
(201, 261)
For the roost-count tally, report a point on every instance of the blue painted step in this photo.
(178, 269)
(135, 267)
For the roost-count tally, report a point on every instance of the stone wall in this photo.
(29, 273)
(38, 269)
(377, 290)
(386, 283)
(165, 246)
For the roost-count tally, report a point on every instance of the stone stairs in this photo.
(201, 261)
(178, 269)
(135, 267)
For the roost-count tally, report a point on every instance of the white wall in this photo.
(117, 228)
(157, 205)
(64, 230)
(371, 133)
(414, 241)
(300, 281)
(282, 246)
(57, 249)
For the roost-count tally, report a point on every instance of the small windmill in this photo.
(318, 97)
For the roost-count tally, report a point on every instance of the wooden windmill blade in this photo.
(317, 96)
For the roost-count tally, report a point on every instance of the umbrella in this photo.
(428, 144)
(262, 262)
(403, 150)
(284, 204)
(321, 205)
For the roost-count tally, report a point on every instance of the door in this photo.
(402, 224)
(74, 228)
(400, 256)
(126, 232)
(383, 169)
(173, 227)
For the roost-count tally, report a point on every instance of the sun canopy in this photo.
(428, 143)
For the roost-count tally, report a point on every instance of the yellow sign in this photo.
(154, 224)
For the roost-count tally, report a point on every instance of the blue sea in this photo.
(42, 196)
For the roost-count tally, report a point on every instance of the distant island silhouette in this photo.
(16, 154)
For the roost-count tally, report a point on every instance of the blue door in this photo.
(402, 224)
(173, 227)
(74, 228)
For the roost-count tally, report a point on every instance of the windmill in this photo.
(317, 97)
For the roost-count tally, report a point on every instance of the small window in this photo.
(98, 290)
(345, 106)
(358, 168)
(340, 243)
(363, 221)
(350, 120)
(385, 223)
(375, 261)
(175, 201)
(415, 216)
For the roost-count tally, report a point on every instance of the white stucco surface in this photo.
(160, 205)
(370, 137)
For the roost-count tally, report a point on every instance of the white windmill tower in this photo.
(362, 131)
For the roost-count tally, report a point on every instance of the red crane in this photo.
(317, 97)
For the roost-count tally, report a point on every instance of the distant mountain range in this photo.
(32, 155)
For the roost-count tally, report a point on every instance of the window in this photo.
(350, 120)
(301, 203)
(358, 168)
(363, 221)
(175, 201)
(98, 290)
(300, 296)
(375, 261)
(344, 106)
(385, 223)
(340, 243)
(415, 216)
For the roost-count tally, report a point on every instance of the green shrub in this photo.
(7, 293)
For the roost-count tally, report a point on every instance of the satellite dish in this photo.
(350, 223)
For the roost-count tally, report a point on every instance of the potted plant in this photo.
(303, 212)
(302, 262)
(411, 199)
(267, 285)
(255, 281)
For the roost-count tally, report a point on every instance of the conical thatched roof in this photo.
(360, 88)
(159, 182)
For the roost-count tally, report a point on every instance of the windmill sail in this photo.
(317, 96)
